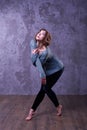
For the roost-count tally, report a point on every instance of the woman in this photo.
(49, 67)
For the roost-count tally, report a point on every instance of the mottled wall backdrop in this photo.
(20, 20)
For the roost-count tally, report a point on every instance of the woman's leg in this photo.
(38, 98)
(52, 96)
(51, 80)
(36, 103)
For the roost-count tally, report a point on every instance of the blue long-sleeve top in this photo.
(45, 62)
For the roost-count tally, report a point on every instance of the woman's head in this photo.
(43, 37)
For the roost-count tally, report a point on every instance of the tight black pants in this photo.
(47, 89)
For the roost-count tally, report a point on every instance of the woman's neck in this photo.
(39, 44)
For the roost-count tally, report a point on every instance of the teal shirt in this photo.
(45, 62)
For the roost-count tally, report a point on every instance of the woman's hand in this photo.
(35, 51)
(39, 50)
(43, 81)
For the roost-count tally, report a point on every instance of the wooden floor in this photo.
(14, 109)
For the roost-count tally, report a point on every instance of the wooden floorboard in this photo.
(14, 109)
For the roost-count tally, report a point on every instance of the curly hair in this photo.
(47, 39)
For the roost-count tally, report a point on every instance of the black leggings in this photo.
(46, 89)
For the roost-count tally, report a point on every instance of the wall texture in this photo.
(20, 20)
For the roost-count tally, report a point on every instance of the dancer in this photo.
(49, 67)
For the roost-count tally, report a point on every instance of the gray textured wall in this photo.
(20, 20)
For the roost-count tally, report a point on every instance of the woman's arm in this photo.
(41, 71)
(34, 54)
(38, 60)
(40, 68)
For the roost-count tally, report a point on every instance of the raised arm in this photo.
(33, 55)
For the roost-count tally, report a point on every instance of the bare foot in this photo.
(30, 115)
(59, 110)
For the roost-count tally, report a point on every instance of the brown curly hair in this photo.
(47, 39)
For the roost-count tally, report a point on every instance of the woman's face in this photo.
(40, 36)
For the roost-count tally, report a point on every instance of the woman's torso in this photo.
(50, 62)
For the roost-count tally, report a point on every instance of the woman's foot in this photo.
(30, 115)
(59, 110)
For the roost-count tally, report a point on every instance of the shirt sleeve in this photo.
(38, 60)
(33, 56)
(40, 68)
